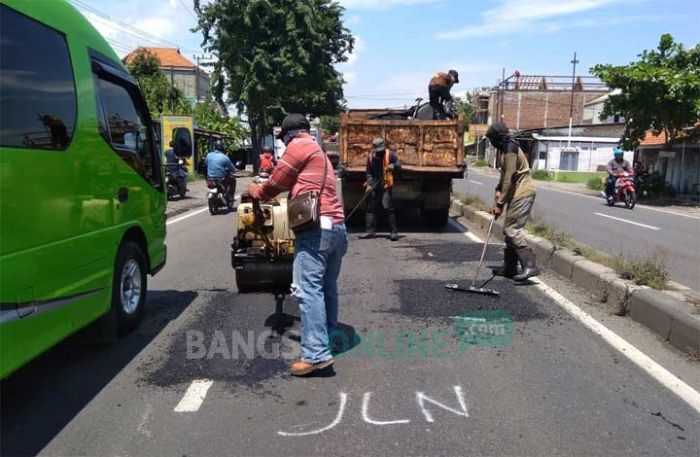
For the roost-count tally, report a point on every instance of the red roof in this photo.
(169, 57)
(650, 139)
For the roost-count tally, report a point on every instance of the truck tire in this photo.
(129, 286)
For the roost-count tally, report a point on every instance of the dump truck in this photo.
(431, 154)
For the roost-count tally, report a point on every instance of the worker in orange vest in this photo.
(381, 165)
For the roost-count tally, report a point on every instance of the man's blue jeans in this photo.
(317, 260)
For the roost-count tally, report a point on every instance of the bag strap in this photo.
(325, 175)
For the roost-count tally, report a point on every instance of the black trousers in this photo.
(381, 199)
(440, 97)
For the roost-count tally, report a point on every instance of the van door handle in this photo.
(123, 194)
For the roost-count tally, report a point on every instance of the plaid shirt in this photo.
(300, 170)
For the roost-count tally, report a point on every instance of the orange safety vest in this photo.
(388, 173)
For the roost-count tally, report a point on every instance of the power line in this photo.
(187, 9)
(121, 25)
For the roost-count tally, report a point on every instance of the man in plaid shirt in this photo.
(318, 251)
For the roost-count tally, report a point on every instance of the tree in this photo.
(161, 97)
(660, 91)
(463, 107)
(208, 115)
(276, 56)
(330, 124)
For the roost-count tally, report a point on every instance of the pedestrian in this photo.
(516, 190)
(381, 165)
(319, 251)
(439, 93)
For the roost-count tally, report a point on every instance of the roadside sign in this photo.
(168, 124)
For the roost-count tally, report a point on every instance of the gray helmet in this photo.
(378, 145)
(219, 145)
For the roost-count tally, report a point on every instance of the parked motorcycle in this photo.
(624, 190)
(219, 195)
(176, 179)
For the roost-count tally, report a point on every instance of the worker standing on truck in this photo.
(439, 92)
(517, 190)
(381, 165)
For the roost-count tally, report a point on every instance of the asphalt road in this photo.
(641, 232)
(411, 385)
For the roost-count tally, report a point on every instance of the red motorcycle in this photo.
(624, 190)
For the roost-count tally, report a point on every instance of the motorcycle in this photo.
(624, 190)
(219, 195)
(176, 179)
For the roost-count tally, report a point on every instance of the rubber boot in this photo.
(394, 229)
(527, 260)
(510, 263)
(370, 227)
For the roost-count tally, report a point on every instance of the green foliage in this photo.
(208, 115)
(660, 91)
(276, 56)
(542, 175)
(463, 107)
(657, 187)
(330, 124)
(595, 183)
(481, 163)
(161, 97)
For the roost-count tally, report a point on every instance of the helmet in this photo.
(455, 75)
(618, 151)
(219, 145)
(267, 149)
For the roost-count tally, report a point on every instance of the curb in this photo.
(672, 319)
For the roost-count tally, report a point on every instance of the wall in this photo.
(536, 109)
(591, 156)
(681, 171)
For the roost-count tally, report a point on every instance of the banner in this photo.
(168, 123)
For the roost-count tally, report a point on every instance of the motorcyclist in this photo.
(616, 166)
(439, 92)
(381, 166)
(640, 175)
(267, 161)
(220, 167)
(173, 166)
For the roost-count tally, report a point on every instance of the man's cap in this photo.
(294, 122)
(378, 145)
(455, 75)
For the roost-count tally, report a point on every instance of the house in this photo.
(541, 101)
(678, 162)
(593, 109)
(183, 74)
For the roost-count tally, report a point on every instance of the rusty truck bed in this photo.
(423, 146)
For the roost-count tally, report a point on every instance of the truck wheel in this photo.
(129, 286)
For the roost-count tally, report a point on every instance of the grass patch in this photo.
(481, 163)
(644, 271)
(472, 200)
(542, 175)
(595, 183)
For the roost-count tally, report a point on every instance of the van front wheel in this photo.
(129, 286)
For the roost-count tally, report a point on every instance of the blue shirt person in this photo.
(219, 165)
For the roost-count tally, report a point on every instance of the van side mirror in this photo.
(182, 142)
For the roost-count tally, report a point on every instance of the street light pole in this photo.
(571, 107)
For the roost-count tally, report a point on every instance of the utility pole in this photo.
(571, 107)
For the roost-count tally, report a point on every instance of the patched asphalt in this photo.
(550, 387)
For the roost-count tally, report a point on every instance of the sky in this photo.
(401, 43)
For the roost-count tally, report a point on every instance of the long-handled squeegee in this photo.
(472, 288)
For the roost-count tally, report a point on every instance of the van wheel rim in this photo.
(130, 286)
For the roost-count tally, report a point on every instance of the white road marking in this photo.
(187, 215)
(336, 421)
(653, 369)
(369, 420)
(476, 182)
(421, 398)
(194, 396)
(578, 194)
(651, 227)
(473, 237)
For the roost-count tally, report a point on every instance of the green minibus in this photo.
(82, 200)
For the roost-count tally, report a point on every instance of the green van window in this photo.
(37, 91)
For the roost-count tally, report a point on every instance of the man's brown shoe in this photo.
(301, 368)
